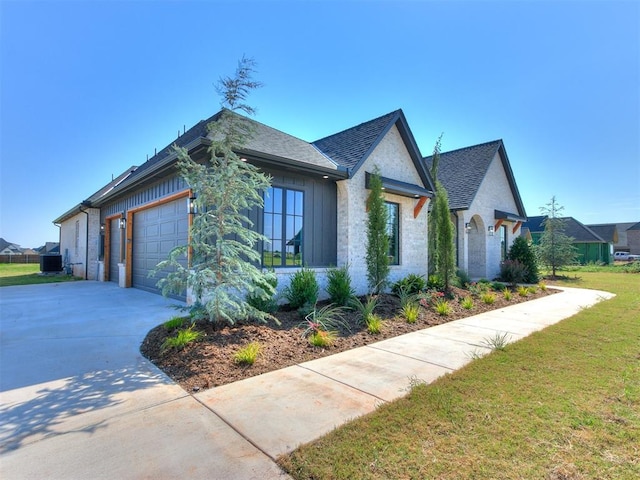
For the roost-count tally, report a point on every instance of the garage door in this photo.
(114, 249)
(156, 231)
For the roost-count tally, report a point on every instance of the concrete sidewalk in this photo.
(77, 400)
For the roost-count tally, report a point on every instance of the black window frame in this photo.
(286, 210)
(394, 243)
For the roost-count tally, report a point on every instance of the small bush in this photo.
(248, 354)
(506, 293)
(175, 322)
(322, 338)
(339, 286)
(497, 286)
(524, 253)
(478, 288)
(442, 307)
(532, 289)
(182, 339)
(374, 324)
(542, 286)
(410, 312)
(631, 267)
(412, 284)
(523, 291)
(488, 298)
(463, 278)
(406, 297)
(513, 271)
(467, 303)
(365, 309)
(303, 289)
(434, 282)
(262, 297)
(328, 318)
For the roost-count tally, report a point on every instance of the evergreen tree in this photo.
(444, 247)
(431, 221)
(521, 251)
(377, 235)
(555, 249)
(224, 261)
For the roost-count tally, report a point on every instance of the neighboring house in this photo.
(81, 242)
(614, 233)
(633, 239)
(590, 247)
(315, 212)
(486, 208)
(49, 248)
(8, 248)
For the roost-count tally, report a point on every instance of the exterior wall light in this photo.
(191, 205)
(492, 230)
(122, 223)
(467, 227)
(102, 227)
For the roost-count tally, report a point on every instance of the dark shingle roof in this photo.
(572, 228)
(462, 171)
(635, 227)
(606, 231)
(352, 146)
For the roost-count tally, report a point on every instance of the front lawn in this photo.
(28, 274)
(563, 403)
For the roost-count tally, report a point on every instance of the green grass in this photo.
(28, 274)
(562, 403)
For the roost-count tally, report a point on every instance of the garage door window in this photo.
(283, 222)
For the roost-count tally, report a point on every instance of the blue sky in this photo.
(91, 88)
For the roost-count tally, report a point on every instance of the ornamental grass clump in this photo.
(467, 303)
(410, 312)
(506, 293)
(322, 338)
(523, 291)
(173, 323)
(442, 307)
(374, 324)
(327, 319)
(248, 354)
(365, 308)
(182, 339)
(488, 298)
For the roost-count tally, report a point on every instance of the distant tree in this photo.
(523, 252)
(377, 235)
(224, 261)
(555, 249)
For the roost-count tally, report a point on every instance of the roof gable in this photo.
(572, 228)
(351, 147)
(462, 171)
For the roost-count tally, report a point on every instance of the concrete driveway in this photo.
(77, 399)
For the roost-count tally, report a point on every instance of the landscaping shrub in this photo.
(374, 324)
(302, 292)
(463, 278)
(339, 286)
(411, 284)
(322, 338)
(365, 308)
(467, 303)
(443, 308)
(182, 339)
(514, 272)
(488, 298)
(410, 312)
(523, 252)
(261, 299)
(434, 282)
(248, 354)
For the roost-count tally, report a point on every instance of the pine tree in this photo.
(377, 235)
(555, 249)
(224, 261)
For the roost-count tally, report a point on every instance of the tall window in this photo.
(283, 215)
(503, 242)
(76, 245)
(393, 230)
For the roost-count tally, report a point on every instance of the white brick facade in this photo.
(79, 248)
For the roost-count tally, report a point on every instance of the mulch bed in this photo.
(209, 362)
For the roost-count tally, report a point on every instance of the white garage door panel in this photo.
(157, 231)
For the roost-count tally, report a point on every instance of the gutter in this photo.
(86, 241)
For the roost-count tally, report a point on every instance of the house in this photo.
(314, 214)
(8, 248)
(81, 242)
(614, 233)
(633, 239)
(486, 208)
(590, 247)
(49, 248)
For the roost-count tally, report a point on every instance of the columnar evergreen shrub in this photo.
(339, 286)
(377, 236)
(302, 291)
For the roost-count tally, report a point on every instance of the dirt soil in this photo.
(209, 362)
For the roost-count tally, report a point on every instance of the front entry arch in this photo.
(477, 252)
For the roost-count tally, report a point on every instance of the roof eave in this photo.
(337, 173)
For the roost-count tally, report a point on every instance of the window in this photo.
(76, 245)
(393, 230)
(503, 242)
(283, 214)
